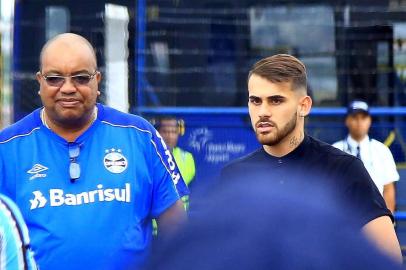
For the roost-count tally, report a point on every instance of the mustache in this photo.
(68, 97)
(265, 121)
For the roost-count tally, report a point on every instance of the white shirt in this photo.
(377, 159)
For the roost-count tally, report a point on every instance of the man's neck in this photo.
(287, 145)
(69, 133)
(358, 139)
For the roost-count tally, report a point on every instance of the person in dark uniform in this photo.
(278, 103)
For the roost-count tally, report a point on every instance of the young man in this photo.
(376, 156)
(87, 178)
(278, 103)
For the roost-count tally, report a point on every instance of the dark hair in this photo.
(157, 122)
(281, 68)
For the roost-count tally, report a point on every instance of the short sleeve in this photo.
(390, 173)
(363, 194)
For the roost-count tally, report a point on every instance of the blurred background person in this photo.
(376, 156)
(170, 129)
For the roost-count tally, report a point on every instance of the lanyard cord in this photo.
(349, 150)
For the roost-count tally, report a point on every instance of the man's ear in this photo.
(98, 79)
(98, 76)
(38, 77)
(347, 121)
(305, 105)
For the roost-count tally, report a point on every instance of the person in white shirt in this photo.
(376, 156)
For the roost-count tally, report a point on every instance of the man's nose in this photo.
(68, 86)
(264, 110)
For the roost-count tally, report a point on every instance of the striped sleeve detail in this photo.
(19, 135)
(11, 253)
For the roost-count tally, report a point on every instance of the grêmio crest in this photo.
(114, 161)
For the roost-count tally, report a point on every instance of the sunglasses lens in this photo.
(59, 80)
(74, 170)
(55, 80)
(74, 151)
(81, 79)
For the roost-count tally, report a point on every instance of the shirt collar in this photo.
(353, 143)
(297, 152)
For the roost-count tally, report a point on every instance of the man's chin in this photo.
(70, 115)
(71, 118)
(267, 139)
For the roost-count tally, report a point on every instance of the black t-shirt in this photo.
(314, 164)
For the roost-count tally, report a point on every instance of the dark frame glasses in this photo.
(81, 79)
(74, 167)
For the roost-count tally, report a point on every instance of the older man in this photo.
(87, 178)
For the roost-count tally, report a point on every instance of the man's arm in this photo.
(389, 193)
(171, 220)
(382, 233)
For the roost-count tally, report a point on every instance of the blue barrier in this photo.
(317, 111)
(210, 130)
(400, 215)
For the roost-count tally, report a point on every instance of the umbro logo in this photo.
(36, 170)
(39, 200)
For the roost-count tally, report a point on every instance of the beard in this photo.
(275, 137)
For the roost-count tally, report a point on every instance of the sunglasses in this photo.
(74, 167)
(78, 79)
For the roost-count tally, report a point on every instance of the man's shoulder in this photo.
(339, 144)
(326, 151)
(21, 128)
(183, 152)
(377, 144)
(116, 118)
(380, 148)
(239, 169)
(249, 159)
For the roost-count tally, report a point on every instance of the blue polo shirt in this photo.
(102, 220)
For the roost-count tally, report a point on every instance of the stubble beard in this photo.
(274, 138)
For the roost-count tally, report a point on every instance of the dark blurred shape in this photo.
(242, 226)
